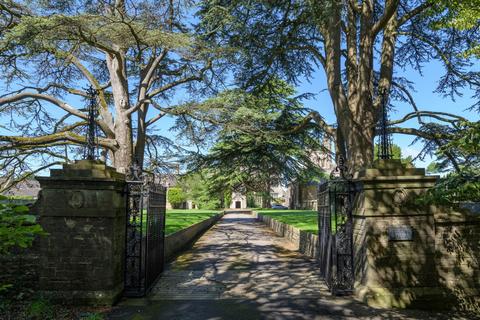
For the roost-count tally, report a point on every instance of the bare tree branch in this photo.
(59, 103)
(155, 119)
(316, 118)
(390, 8)
(418, 133)
(433, 114)
(47, 140)
(9, 183)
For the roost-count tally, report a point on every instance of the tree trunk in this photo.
(360, 143)
(266, 199)
(123, 157)
(141, 135)
(356, 104)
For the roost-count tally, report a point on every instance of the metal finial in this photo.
(91, 145)
(341, 170)
(385, 143)
(135, 171)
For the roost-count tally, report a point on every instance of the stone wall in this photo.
(180, 240)
(20, 269)
(304, 242)
(457, 258)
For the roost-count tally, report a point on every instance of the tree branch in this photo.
(168, 86)
(172, 84)
(10, 183)
(38, 96)
(433, 114)
(419, 9)
(312, 50)
(155, 119)
(93, 81)
(17, 142)
(317, 118)
(443, 57)
(59, 103)
(418, 133)
(390, 9)
(449, 155)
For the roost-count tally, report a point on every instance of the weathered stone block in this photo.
(437, 268)
(82, 207)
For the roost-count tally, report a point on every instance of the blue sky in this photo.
(424, 95)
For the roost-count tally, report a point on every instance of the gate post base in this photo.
(85, 297)
(82, 207)
(394, 239)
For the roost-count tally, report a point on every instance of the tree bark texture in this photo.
(357, 102)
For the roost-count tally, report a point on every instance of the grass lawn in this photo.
(178, 219)
(302, 219)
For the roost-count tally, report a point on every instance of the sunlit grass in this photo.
(178, 219)
(306, 220)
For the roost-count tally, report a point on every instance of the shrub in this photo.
(176, 196)
(40, 309)
(210, 204)
(18, 228)
(227, 198)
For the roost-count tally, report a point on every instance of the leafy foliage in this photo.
(176, 196)
(461, 15)
(198, 189)
(292, 40)
(262, 143)
(40, 309)
(455, 188)
(135, 54)
(397, 154)
(433, 167)
(464, 183)
(18, 228)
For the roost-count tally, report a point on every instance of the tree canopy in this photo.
(462, 184)
(261, 144)
(197, 188)
(360, 45)
(135, 54)
(147, 60)
(462, 15)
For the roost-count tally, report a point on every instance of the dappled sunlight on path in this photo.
(239, 269)
(239, 259)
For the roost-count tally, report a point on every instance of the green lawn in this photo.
(302, 219)
(178, 219)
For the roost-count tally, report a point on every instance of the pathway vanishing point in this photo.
(239, 269)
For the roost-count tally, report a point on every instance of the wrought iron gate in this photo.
(335, 225)
(145, 234)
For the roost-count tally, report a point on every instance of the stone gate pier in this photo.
(82, 207)
(408, 255)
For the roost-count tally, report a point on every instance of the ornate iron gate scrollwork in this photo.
(335, 225)
(145, 233)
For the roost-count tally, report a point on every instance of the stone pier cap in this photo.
(85, 170)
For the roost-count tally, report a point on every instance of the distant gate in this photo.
(145, 233)
(335, 225)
